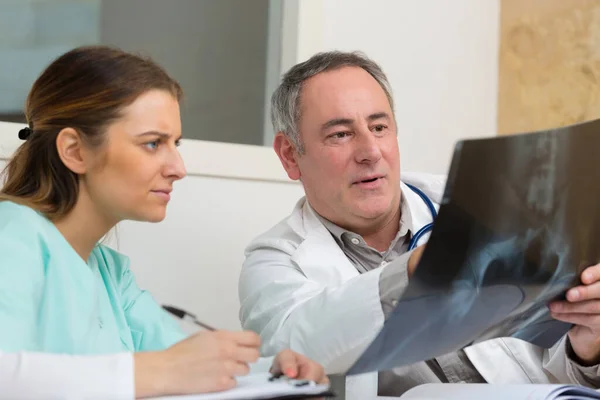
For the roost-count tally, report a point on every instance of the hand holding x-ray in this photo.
(582, 308)
(414, 259)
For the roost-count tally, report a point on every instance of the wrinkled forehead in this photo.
(347, 92)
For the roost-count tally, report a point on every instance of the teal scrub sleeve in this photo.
(152, 328)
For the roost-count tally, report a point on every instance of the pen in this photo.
(294, 382)
(181, 314)
(276, 376)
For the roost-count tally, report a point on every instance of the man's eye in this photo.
(340, 135)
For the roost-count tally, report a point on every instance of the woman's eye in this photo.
(152, 145)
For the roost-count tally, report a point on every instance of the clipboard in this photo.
(262, 387)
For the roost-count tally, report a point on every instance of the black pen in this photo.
(181, 314)
(276, 376)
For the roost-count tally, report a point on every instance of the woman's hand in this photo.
(297, 366)
(205, 362)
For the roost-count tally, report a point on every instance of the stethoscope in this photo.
(417, 236)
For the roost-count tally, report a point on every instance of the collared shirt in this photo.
(364, 257)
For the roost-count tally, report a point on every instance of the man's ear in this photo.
(287, 155)
(69, 145)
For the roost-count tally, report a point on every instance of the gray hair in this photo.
(285, 102)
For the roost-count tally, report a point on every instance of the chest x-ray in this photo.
(519, 222)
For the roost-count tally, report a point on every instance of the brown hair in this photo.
(85, 89)
(285, 101)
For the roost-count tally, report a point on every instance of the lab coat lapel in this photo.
(319, 256)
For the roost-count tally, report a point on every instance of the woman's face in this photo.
(133, 175)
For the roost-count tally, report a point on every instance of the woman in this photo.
(101, 147)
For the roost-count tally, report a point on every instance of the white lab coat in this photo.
(299, 290)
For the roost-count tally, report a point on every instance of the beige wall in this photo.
(549, 64)
(441, 58)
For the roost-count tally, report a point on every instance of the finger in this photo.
(248, 339)
(584, 307)
(312, 371)
(286, 363)
(591, 321)
(245, 338)
(233, 368)
(584, 292)
(223, 382)
(246, 354)
(414, 259)
(591, 274)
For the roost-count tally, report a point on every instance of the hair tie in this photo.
(25, 133)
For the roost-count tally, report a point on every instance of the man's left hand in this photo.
(582, 308)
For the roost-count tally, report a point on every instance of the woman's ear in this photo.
(287, 155)
(69, 145)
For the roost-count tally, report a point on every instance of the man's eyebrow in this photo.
(378, 115)
(335, 122)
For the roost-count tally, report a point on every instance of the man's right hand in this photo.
(414, 259)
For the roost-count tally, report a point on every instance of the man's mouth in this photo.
(368, 180)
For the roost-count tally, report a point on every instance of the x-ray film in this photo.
(519, 221)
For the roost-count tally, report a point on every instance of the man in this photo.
(324, 279)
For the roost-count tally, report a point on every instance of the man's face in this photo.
(351, 165)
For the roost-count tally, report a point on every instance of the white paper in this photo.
(257, 386)
(446, 391)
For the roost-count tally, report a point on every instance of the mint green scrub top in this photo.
(53, 301)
